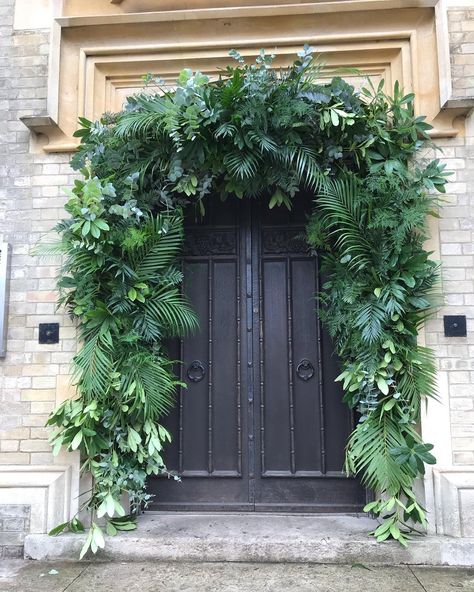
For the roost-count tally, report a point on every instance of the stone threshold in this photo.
(257, 537)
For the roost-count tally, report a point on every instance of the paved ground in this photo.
(32, 576)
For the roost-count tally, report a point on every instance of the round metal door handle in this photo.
(305, 370)
(196, 371)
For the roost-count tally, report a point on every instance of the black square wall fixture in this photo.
(48, 333)
(454, 326)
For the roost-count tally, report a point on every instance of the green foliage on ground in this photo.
(255, 132)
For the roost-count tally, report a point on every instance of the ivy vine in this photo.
(253, 133)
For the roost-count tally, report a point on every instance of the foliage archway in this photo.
(255, 133)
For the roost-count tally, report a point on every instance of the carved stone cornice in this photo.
(101, 49)
(44, 125)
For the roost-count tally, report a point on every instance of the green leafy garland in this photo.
(370, 233)
(253, 133)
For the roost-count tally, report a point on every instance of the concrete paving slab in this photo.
(243, 577)
(35, 576)
(258, 538)
(207, 577)
(445, 580)
(17, 575)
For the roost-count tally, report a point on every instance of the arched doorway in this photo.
(261, 425)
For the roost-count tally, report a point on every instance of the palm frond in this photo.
(368, 454)
(419, 378)
(144, 121)
(93, 365)
(343, 216)
(169, 311)
(370, 318)
(149, 384)
(241, 164)
(165, 233)
(52, 249)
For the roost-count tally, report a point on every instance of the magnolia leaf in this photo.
(125, 525)
(87, 544)
(382, 385)
(76, 441)
(110, 502)
(389, 404)
(102, 224)
(98, 536)
(76, 526)
(119, 508)
(57, 446)
(370, 506)
(58, 529)
(86, 228)
(102, 509)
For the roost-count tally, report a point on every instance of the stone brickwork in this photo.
(14, 524)
(456, 239)
(461, 36)
(455, 355)
(30, 203)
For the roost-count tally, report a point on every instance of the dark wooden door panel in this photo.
(210, 419)
(303, 423)
(290, 375)
(224, 374)
(261, 425)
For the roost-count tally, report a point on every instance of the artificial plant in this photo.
(254, 133)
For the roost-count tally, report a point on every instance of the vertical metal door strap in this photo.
(239, 369)
(210, 352)
(181, 402)
(250, 371)
(289, 314)
(322, 432)
(262, 367)
(4, 294)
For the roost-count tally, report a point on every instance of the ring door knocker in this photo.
(305, 370)
(196, 371)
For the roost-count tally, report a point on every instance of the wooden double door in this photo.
(261, 425)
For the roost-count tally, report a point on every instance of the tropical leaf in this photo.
(94, 364)
(170, 312)
(368, 454)
(370, 318)
(151, 385)
(165, 234)
(242, 165)
(341, 213)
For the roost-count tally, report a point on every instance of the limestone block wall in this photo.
(14, 524)
(456, 238)
(461, 36)
(456, 244)
(34, 377)
(449, 424)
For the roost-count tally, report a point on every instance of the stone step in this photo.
(258, 537)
